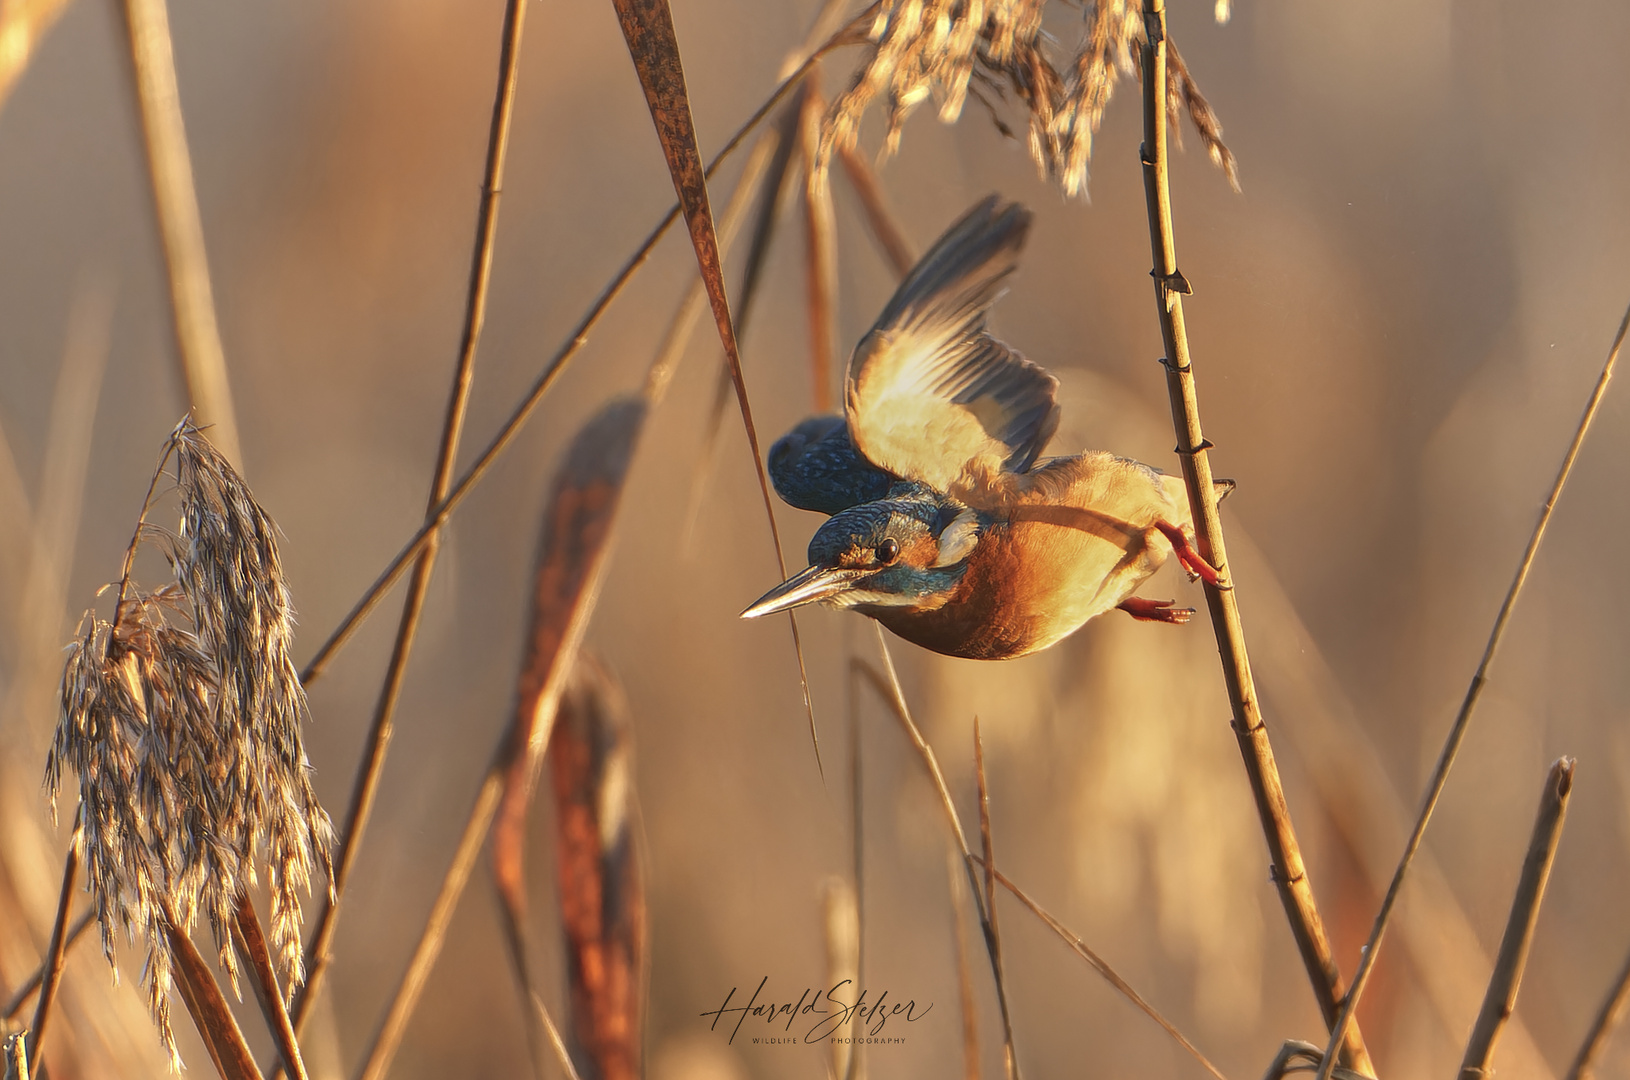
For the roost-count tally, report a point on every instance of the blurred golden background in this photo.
(1395, 324)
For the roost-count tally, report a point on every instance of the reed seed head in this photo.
(992, 50)
(181, 718)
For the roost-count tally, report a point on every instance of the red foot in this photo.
(1145, 610)
(1191, 560)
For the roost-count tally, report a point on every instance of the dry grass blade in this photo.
(1102, 967)
(552, 370)
(1290, 873)
(251, 943)
(840, 925)
(1601, 1029)
(602, 890)
(210, 1012)
(1283, 1063)
(1501, 997)
(648, 28)
(370, 767)
(34, 981)
(51, 971)
(198, 338)
(1457, 731)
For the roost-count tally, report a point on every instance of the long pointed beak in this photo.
(804, 587)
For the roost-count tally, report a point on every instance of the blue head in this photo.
(897, 552)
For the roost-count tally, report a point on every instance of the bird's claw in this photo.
(1145, 610)
(1191, 559)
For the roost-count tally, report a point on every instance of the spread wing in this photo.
(929, 392)
(815, 467)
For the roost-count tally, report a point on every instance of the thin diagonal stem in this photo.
(1607, 1018)
(34, 981)
(1457, 732)
(1289, 872)
(1101, 966)
(523, 411)
(369, 769)
(51, 972)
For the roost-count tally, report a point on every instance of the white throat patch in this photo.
(958, 539)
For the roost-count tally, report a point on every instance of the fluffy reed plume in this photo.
(181, 718)
(990, 49)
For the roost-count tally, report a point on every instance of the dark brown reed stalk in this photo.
(602, 889)
(1601, 1029)
(23, 25)
(879, 218)
(51, 970)
(557, 363)
(36, 980)
(198, 338)
(202, 995)
(1289, 872)
(366, 786)
(993, 936)
(186, 737)
(1457, 731)
(1501, 998)
(1102, 967)
(250, 941)
(964, 978)
(888, 688)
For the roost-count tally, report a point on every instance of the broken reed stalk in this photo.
(1457, 731)
(250, 941)
(198, 338)
(34, 981)
(518, 417)
(888, 688)
(16, 1065)
(1102, 967)
(56, 952)
(1289, 872)
(1607, 1018)
(1501, 997)
(366, 785)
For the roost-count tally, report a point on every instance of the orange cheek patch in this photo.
(920, 551)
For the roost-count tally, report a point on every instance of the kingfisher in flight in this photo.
(945, 523)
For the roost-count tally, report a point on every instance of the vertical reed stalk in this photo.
(198, 338)
(1289, 872)
(372, 765)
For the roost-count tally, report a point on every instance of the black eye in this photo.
(888, 551)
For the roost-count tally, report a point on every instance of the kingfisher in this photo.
(945, 524)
